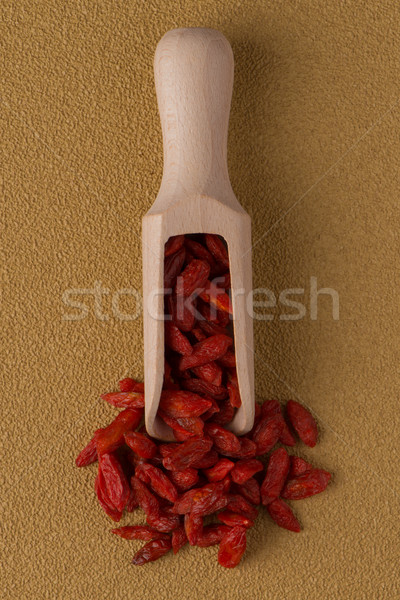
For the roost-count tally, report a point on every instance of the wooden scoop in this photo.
(194, 76)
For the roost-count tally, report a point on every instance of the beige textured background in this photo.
(315, 120)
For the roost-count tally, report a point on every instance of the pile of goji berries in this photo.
(204, 488)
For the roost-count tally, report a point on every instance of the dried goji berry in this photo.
(125, 399)
(211, 411)
(247, 449)
(163, 522)
(199, 251)
(204, 387)
(179, 538)
(283, 515)
(132, 503)
(305, 485)
(232, 547)
(212, 328)
(194, 276)
(88, 455)
(235, 519)
(267, 433)
(181, 403)
(176, 340)
(184, 480)
(303, 422)
(152, 551)
(158, 481)
(207, 461)
(104, 502)
(216, 297)
(131, 385)
(172, 267)
(198, 334)
(112, 436)
(210, 349)
(270, 408)
(115, 480)
(139, 532)
(141, 444)
(298, 466)
(182, 311)
(211, 535)
(217, 248)
(200, 499)
(219, 470)
(245, 468)
(210, 372)
(234, 395)
(185, 427)
(228, 360)
(187, 454)
(173, 244)
(224, 440)
(250, 490)
(275, 477)
(193, 527)
(237, 504)
(225, 414)
(147, 501)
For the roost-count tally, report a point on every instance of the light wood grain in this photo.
(194, 77)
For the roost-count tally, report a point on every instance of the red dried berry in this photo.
(104, 501)
(179, 538)
(210, 372)
(152, 551)
(172, 267)
(250, 490)
(310, 483)
(187, 454)
(235, 519)
(232, 547)
(193, 277)
(141, 444)
(303, 422)
(220, 470)
(163, 521)
(176, 340)
(157, 480)
(182, 311)
(193, 527)
(246, 468)
(131, 385)
(199, 251)
(173, 244)
(211, 535)
(115, 480)
(138, 532)
(267, 433)
(181, 403)
(277, 471)
(147, 501)
(217, 248)
(199, 386)
(210, 349)
(184, 480)
(125, 399)
(224, 440)
(88, 455)
(298, 466)
(283, 515)
(112, 436)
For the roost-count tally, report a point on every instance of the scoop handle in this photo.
(193, 70)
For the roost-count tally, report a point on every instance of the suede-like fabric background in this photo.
(314, 152)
